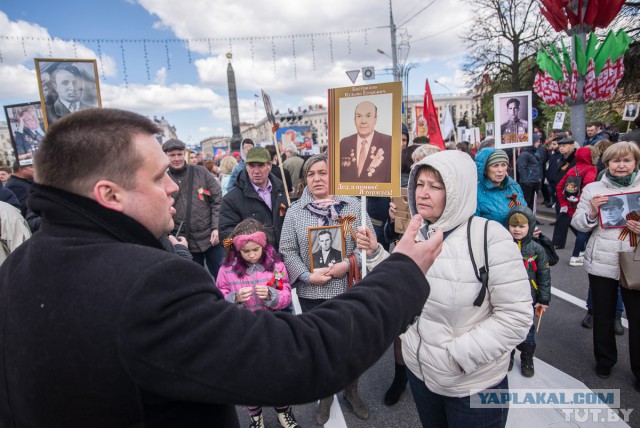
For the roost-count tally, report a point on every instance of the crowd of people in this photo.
(154, 339)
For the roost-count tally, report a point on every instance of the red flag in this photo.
(590, 82)
(431, 116)
(573, 88)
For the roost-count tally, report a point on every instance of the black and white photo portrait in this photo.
(66, 86)
(326, 246)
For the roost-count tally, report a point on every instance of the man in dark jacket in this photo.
(529, 174)
(256, 194)
(101, 327)
(555, 158)
(197, 207)
(566, 147)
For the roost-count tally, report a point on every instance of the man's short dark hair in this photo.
(325, 232)
(514, 100)
(595, 123)
(91, 145)
(66, 67)
(247, 141)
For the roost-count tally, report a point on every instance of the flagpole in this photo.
(363, 217)
(284, 182)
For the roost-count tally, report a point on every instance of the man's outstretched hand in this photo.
(423, 253)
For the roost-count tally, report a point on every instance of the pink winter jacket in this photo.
(228, 283)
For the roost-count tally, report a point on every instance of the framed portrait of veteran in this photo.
(615, 212)
(512, 113)
(326, 245)
(365, 139)
(631, 111)
(26, 129)
(67, 85)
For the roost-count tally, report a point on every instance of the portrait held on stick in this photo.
(327, 246)
(513, 112)
(366, 139)
(66, 86)
(26, 128)
(631, 111)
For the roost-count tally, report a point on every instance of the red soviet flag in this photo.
(431, 116)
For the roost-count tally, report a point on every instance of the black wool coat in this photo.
(100, 327)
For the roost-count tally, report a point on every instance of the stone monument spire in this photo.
(233, 104)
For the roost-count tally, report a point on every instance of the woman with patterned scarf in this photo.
(316, 207)
(601, 259)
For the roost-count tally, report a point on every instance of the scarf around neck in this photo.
(621, 181)
(326, 210)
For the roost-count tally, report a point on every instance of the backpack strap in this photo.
(478, 244)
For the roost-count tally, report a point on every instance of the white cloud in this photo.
(161, 76)
(156, 98)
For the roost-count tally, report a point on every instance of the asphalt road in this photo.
(562, 343)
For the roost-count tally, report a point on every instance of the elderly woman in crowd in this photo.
(464, 336)
(601, 257)
(316, 207)
(497, 192)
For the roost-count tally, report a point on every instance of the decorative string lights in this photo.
(147, 53)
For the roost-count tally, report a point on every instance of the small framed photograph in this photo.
(613, 213)
(558, 119)
(326, 245)
(67, 85)
(513, 113)
(630, 111)
(489, 128)
(26, 129)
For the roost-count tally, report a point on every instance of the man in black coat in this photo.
(257, 193)
(101, 327)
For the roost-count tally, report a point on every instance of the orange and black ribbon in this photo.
(514, 202)
(275, 128)
(227, 243)
(347, 229)
(633, 237)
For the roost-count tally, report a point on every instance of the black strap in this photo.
(187, 219)
(482, 274)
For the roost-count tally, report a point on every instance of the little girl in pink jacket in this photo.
(253, 277)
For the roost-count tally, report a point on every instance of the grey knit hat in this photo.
(497, 156)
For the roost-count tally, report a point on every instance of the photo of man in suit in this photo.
(612, 212)
(68, 83)
(631, 111)
(366, 155)
(29, 134)
(326, 256)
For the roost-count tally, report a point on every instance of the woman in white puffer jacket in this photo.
(456, 349)
(601, 256)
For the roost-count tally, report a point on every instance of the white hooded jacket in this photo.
(455, 347)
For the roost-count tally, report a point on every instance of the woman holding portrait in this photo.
(601, 260)
(316, 207)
